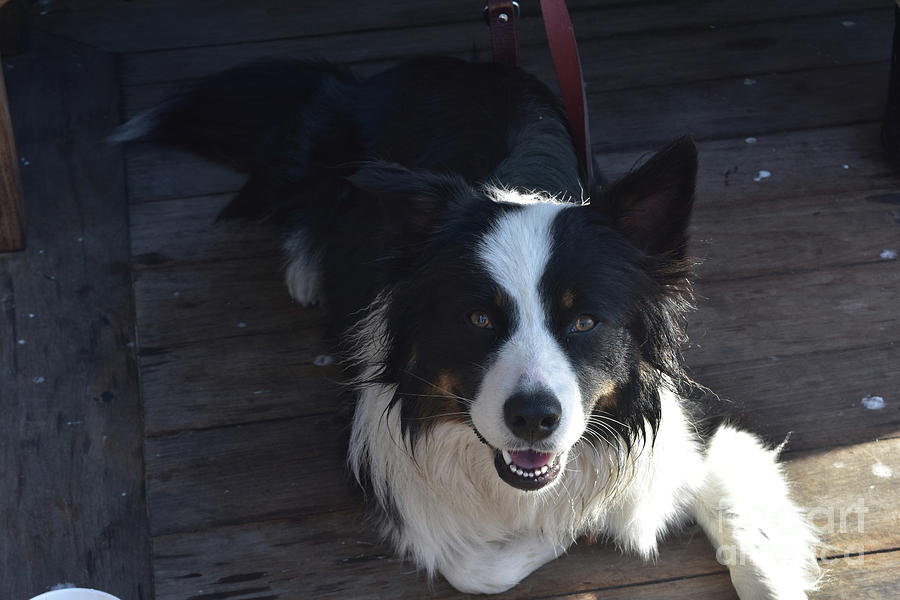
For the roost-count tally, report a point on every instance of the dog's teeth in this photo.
(519, 471)
(512, 468)
(544, 469)
(506, 456)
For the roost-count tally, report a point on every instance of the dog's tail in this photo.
(278, 121)
(759, 533)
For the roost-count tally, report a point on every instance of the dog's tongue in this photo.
(531, 459)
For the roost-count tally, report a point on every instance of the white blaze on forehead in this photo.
(515, 252)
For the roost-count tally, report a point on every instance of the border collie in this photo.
(514, 345)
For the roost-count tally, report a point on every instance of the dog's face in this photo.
(543, 324)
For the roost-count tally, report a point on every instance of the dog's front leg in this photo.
(759, 533)
(494, 567)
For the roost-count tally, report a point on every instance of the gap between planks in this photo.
(798, 40)
(340, 547)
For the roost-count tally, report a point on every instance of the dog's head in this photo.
(538, 323)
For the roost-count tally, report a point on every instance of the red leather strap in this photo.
(561, 36)
(502, 16)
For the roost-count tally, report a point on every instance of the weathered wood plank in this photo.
(871, 576)
(215, 301)
(730, 108)
(775, 235)
(783, 315)
(805, 163)
(185, 230)
(259, 470)
(347, 559)
(147, 25)
(72, 504)
(271, 470)
(851, 495)
(739, 319)
(239, 379)
(690, 588)
(814, 397)
(246, 379)
(809, 185)
(12, 207)
(621, 120)
(698, 52)
(156, 173)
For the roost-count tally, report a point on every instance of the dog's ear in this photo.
(652, 205)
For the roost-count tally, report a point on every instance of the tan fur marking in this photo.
(568, 299)
(500, 300)
(445, 384)
(607, 398)
(446, 381)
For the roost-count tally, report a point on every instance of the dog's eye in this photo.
(583, 323)
(481, 320)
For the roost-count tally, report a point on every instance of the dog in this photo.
(514, 345)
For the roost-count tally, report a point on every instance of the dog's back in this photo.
(302, 129)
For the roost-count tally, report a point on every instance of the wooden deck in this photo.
(167, 430)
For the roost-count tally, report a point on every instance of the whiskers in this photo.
(603, 438)
(444, 393)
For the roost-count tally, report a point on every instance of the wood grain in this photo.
(199, 281)
(348, 561)
(869, 576)
(738, 319)
(638, 120)
(813, 161)
(237, 380)
(246, 486)
(338, 556)
(212, 353)
(146, 25)
(759, 45)
(180, 235)
(72, 505)
(12, 207)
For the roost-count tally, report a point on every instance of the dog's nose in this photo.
(532, 415)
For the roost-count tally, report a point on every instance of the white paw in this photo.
(496, 567)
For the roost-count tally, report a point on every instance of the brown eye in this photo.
(481, 320)
(583, 323)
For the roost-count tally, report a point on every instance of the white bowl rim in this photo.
(75, 594)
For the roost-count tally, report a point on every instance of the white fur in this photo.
(759, 533)
(302, 273)
(515, 253)
(460, 519)
(454, 515)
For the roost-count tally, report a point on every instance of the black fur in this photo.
(385, 176)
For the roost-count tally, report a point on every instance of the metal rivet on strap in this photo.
(503, 17)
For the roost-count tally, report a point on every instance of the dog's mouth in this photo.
(527, 470)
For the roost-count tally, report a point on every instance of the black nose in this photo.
(532, 415)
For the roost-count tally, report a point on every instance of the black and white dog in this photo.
(515, 346)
